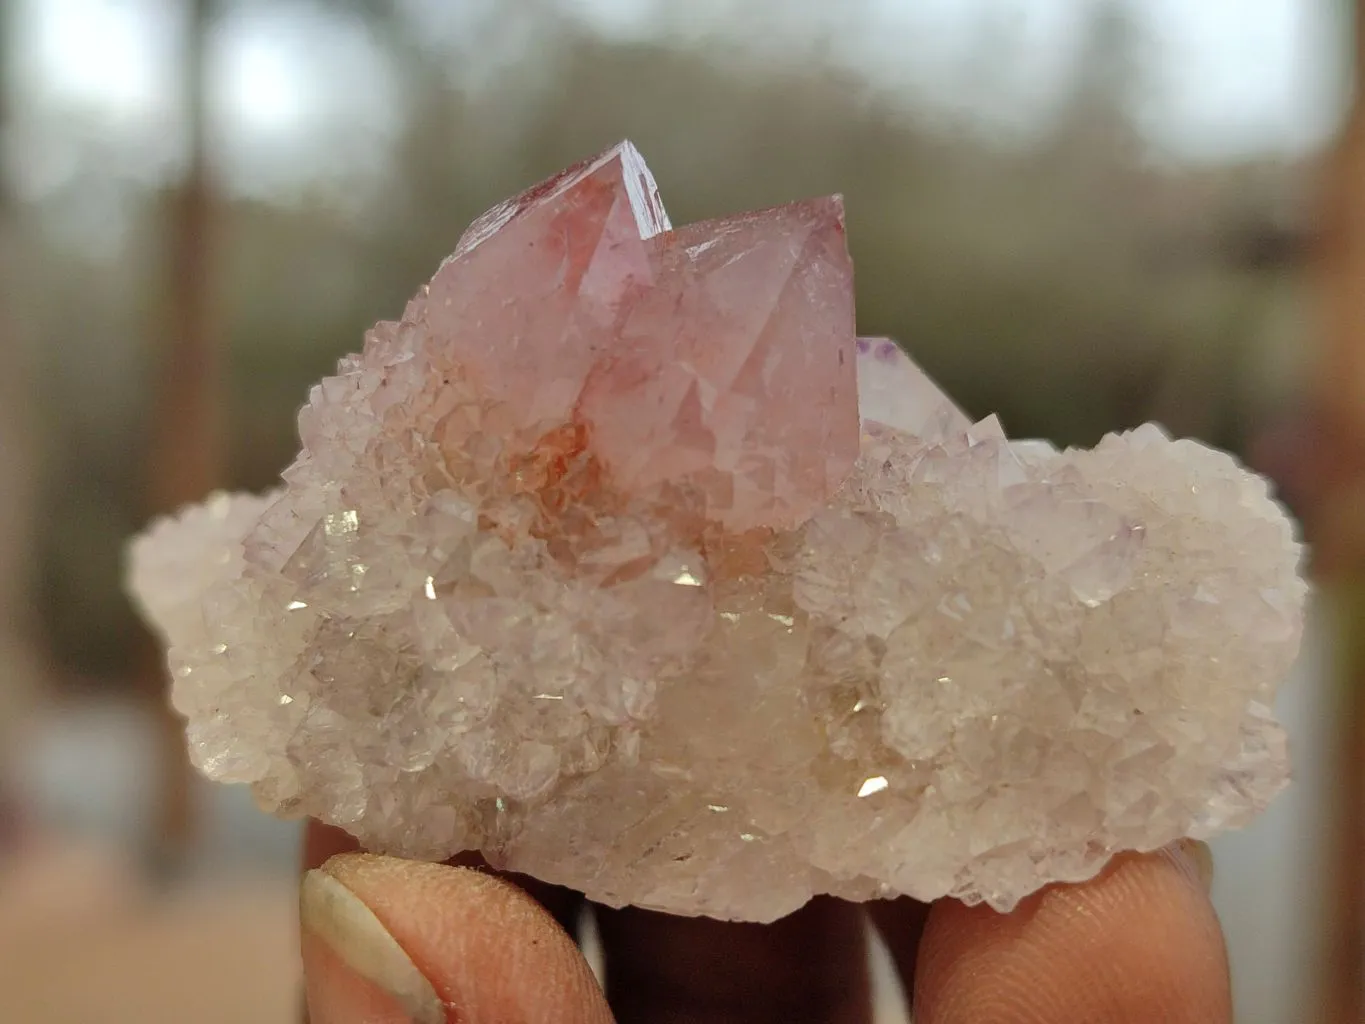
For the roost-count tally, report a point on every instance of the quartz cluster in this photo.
(620, 559)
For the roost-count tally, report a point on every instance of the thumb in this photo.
(389, 941)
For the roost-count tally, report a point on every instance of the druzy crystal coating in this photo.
(621, 559)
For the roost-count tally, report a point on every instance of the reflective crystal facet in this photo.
(620, 559)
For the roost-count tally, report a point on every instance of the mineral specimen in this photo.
(620, 559)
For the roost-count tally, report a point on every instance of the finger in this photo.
(388, 941)
(1140, 943)
(809, 967)
(322, 842)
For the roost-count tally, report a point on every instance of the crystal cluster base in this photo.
(622, 560)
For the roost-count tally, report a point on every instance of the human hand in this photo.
(387, 941)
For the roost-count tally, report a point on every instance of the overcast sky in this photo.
(1228, 76)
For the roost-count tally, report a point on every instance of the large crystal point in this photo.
(753, 399)
(620, 559)
(537, 282)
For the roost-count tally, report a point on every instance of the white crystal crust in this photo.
(972, 675)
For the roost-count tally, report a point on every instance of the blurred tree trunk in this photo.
(1339, 532)
(185, 456)
(19, 670)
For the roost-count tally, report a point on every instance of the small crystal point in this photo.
(896, 393)
(587, 564)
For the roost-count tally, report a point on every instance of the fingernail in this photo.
(355, 971)
(1196, 859)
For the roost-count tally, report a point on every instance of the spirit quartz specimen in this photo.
(620, 559)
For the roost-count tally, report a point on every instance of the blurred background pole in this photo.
(18, 672)
(1339, 534)
(186, 446)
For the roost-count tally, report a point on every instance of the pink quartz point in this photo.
(894, 392)
(735, 372)
(531, 298)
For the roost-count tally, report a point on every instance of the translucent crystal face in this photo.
(621, 559)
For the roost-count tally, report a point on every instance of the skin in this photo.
(387, 941)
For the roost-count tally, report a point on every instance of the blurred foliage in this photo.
(1066, 280)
